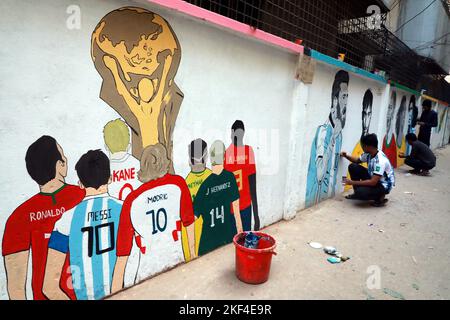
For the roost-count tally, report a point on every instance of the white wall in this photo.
(439, 134)
(318, 109)
(52, 88)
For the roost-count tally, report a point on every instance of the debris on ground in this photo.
(381, 231)
(414, 259)
(431, 248)
(403, 224)
(369, 296)
(370, 224)
(408, 192)
(408, 175)
(330, 250)
(334, 260)
(315, 245)
(415, 286)
(393, 294)
(337, 256)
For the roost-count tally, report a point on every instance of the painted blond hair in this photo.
(154, 163)
(116, 135)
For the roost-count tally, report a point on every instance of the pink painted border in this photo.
(228, 23)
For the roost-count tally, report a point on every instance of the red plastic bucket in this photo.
(253, 265)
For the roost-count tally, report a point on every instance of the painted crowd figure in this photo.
(124, 166)
(124, 179)
(214, 201)
(240, 159)
(412, 119)
(29, 227)
(366, 119)
(326, 147)
(400, 131)
(198, 156)
(155, 212)
(130, 217)
(389, 142)
(87, 234)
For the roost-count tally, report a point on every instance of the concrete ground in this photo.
(408, 246)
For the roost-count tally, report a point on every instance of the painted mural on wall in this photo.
(240, 159)
(389, 142)
(137, 54)
(326, 146)
(442, 117)
(29, 228)
(217, 202)
(155, 212)
(400, 132)
(366, 119)
(130, 217)
(86, 234)
(198, 157)
(413, 112)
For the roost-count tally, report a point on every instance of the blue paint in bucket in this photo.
(251, 240)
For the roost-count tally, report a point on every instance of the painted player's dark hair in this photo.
(194, 153)
(370, 140)
(93, 169)
(411, 137)
(340, 77)
(368, 99)
(238, 124)
(427, 103)
(41, 158)
(412, 102)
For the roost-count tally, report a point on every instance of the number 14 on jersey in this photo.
(218, 216)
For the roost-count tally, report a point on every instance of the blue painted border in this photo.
(343, 65)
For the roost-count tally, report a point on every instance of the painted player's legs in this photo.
(119, 274)
(246, 216)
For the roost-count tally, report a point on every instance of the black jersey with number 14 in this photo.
(213, 202)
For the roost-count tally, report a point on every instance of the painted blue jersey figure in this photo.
(88, 232)
(323, 165)
(326, 146)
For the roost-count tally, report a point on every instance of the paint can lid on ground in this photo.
(315, 245)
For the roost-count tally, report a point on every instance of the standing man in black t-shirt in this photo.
(428, 120)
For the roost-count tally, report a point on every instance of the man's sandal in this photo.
(351, 197)
(380, 203)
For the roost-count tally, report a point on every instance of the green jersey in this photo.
(213, 202)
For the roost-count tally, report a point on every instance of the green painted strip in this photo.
(401, 87)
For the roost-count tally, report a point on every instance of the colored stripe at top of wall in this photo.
(227, 23)
(347, 67)
(435, 100)
(401, 87)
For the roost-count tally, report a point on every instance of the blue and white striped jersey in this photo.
(89, 232)
(381, 166)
